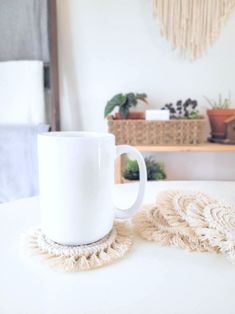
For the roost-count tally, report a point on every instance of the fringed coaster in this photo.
(151, 225)
(83, 257)
(183, 209)
(165, 223)
(218, 227)
(212, 220)
(190, 220)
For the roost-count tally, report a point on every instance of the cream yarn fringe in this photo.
(190, 220)
(151, 225)
(192, 26)
(79, 258)
(186, 219)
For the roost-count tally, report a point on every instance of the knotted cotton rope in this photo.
(152, 226)
(190, 220)
(218, 227)
(79, 258)
(192, 26)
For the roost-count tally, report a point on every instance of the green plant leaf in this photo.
(124, 109)
(155, 170)
(221, 103)
(130, 95)
(142, 97)
(115, 101)
(124, 102)
(131, 170)
(131, 99)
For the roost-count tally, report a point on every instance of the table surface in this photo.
(151, 279)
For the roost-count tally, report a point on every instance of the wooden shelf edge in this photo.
(207, 147)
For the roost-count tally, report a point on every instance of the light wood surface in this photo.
(207, 147)
(150, 279)
(118, 170)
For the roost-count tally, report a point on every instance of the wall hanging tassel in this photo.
(192, 26)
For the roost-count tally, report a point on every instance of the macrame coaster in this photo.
(152, 226)
(180, 208)
(217, 227)
(212, 220)
(191, 220)
(174, 205)
(192, 26)
(83, 257)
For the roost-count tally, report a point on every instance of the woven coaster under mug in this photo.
(76, 182)
(112, 247)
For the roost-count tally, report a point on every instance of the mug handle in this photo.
(126, 149)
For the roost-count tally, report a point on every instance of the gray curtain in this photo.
(18, 161)
(23, 30)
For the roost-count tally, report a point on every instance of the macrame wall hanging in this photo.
(192, 26)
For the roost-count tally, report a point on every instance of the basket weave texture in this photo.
(171, 132)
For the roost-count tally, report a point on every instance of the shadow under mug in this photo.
(76, 182)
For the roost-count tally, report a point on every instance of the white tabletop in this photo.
(151, 279)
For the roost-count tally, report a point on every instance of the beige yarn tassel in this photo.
(162, 225)
(192, 26)
(190, 220)
(79, 258)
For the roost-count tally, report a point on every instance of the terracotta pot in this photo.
(135, 115)
(217, 118)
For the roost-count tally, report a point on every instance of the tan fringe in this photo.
(190, 220)
(218, 227)
(174, 207)
(153, 223)
(150, 225)
(79, 258)
(192, 26)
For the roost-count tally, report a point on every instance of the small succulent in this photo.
(221, 103)
(155, 170)
(124, 102)
(183, 110)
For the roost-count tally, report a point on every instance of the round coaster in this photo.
(182, 210)
(220, 231)
(221, 217)
(83, 257)
(211, 220)
(176, 206)
(190, 204)
(151, 225)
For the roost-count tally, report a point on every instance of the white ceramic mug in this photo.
(76, 180)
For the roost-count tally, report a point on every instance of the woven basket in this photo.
(171, 132)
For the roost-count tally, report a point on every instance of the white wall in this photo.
(110, 46)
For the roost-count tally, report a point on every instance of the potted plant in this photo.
(186, 126)
(183, 110)
(124, 102)
(219, 113)
(155, 170)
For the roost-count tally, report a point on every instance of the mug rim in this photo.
(82, 135)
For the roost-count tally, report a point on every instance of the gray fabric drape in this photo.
(23, 30)
(18, 161)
